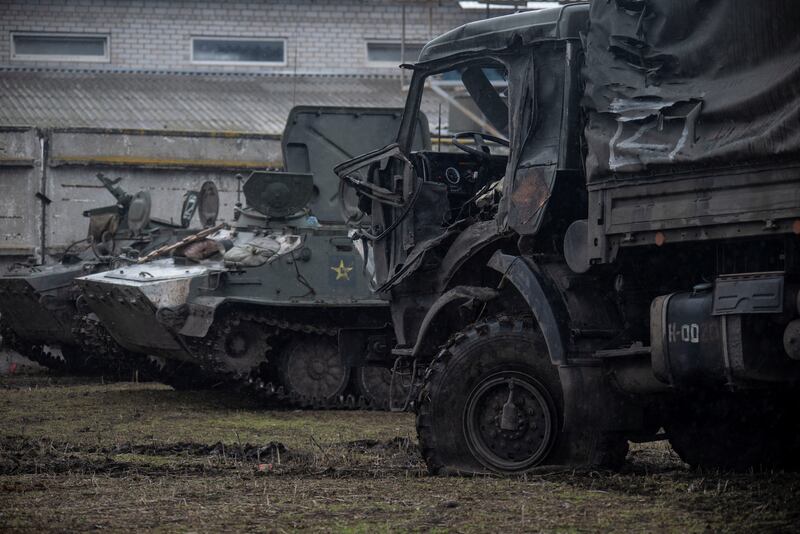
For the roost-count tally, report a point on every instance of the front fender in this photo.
(434, 330)
(542, 298)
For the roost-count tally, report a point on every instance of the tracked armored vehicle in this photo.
(632, 264)
(41, 308)
(264, 302)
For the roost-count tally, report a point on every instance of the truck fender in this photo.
(433, 332)
(543, 300)
(470, 242)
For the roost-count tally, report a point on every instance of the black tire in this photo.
(312, 369)
(736, 432)
(460, 410)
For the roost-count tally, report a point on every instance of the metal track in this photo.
(35, 353)
(103, 354)
(260, 381)
(95, 339)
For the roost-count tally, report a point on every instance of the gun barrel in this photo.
(111, 185)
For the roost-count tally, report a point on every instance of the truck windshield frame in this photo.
(422, 73)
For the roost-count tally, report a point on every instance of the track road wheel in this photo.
(312, 369)
(375, 385)
(493, 402)
(737, 433)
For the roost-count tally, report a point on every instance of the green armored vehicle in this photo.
(264, 302)
(41, 305)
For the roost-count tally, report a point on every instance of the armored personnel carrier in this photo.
(265, 301)
(41, 308)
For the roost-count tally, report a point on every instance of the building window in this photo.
(230, 51)
(385, 53)
(59, 47)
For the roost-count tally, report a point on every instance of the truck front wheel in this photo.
(491, 401)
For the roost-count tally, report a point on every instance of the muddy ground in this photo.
(77, 454)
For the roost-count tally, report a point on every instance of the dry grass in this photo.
(143, 457)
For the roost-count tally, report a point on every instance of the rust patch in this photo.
(531, 192)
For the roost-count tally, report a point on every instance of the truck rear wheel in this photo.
(492, 401)
(736, 432)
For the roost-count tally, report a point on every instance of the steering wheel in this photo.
(482, 152)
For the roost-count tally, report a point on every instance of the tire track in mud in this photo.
(25, 455)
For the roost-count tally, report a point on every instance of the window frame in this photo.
(106, 58)
(281, 40)
(371, 63)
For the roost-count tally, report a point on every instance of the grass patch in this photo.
(144, 457)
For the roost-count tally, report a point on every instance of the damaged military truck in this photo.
(630, 270)
(41, 305)
(263, 303)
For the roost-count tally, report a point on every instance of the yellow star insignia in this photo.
(342, 271)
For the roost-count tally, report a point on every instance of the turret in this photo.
(272, 195)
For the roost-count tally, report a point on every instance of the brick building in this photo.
(274, 36)
(143, 90)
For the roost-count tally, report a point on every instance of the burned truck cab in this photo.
(432, 210)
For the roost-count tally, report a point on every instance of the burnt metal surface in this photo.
(473, 239)
(434, 331)
(533, 288)
(498, 33)
(528, 198)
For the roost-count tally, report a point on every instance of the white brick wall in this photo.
(322, 35)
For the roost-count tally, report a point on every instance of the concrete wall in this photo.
(20, 179)
(321, 35)
(166, 165)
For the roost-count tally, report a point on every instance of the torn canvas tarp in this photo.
(692, 83)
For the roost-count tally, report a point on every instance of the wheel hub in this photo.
(317, 367)
(237, 345)
(509, 422)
